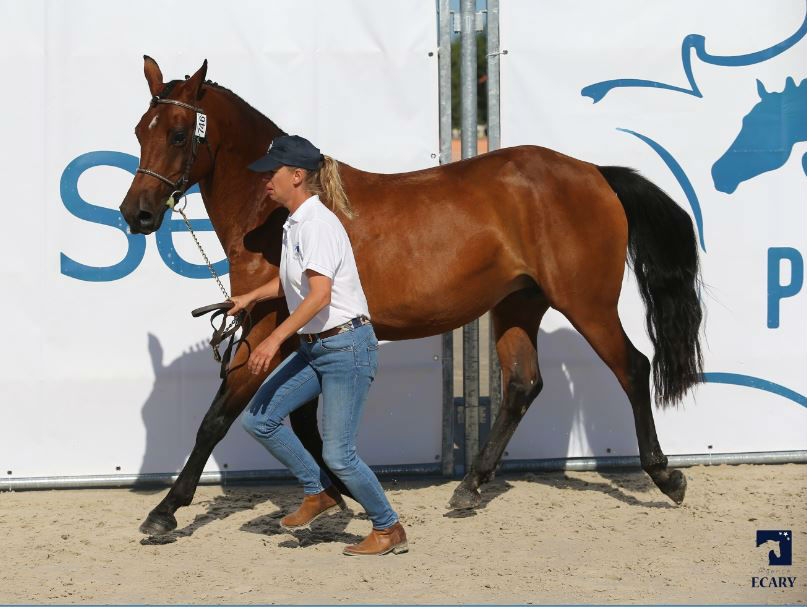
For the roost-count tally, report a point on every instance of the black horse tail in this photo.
(664, 254)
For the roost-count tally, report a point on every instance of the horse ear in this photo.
(197, 80)
(153, 75)
(761, 89)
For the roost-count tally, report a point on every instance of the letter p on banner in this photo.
(776, 290)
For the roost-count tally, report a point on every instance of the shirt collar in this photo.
(304, 211)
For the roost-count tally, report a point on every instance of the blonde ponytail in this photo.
(327, 184)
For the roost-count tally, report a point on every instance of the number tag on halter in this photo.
(201, 125)
(171, 201)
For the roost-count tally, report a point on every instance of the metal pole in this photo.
(444, 74)
(391, 472)
(674, 461)
(468, 79)
(470, 332)
(494, 142)
(494, 124)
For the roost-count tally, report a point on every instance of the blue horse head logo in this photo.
(766, 139)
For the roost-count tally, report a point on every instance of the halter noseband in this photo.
(199, 136)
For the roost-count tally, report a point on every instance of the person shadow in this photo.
(172, 413)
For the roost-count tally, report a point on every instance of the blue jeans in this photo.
(341, 367)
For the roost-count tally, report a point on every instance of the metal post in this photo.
(494, 142)
(470, 332)
(444, 73)
(468, 77)
(494, 124)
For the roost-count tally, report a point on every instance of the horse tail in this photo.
(664, 255)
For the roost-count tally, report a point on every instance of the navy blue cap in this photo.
(288, 150)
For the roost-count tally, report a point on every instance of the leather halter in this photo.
(199, 136)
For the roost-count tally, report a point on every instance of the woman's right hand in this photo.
(240, 302)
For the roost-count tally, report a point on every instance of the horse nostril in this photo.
(144, 217)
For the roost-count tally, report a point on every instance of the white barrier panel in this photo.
(667, 88)
(104, 371)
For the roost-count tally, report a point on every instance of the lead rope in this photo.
(221, 333)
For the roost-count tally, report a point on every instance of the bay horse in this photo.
(513, 232)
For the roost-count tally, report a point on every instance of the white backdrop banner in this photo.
(709, 101)
(104, 370)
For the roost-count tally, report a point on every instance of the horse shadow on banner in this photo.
(582, 407)
(582, 411)
(182, 393)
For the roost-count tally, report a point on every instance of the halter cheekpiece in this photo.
(199, 136)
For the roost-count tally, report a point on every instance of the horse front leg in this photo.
(225, 407)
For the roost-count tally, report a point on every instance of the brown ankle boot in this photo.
(313, 507)
(380, 541)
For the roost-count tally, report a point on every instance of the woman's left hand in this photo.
(262, 355)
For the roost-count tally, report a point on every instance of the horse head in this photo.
(171, 157)
(767, 136)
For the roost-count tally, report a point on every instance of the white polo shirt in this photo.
(315, 239)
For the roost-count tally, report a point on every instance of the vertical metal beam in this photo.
(444, 78)
(444, 73)
(494, 124)
(494, 143)
(470, 332)
(468, 80)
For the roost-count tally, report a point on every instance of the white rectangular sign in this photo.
(709, 101)
(104, 371)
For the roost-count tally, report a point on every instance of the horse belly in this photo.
(432, 298)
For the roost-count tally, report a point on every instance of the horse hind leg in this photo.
(603, 330)
(515, 323)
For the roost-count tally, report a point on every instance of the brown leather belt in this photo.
(353, 323)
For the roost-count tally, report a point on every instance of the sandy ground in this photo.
(575, 537)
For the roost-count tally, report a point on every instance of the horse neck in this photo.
(229, 192)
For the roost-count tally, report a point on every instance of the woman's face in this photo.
(280, 184)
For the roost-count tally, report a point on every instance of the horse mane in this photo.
(170, 86)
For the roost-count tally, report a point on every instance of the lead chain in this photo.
(181, 211)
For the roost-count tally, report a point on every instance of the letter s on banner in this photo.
(68, 187)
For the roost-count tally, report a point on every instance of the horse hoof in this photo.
(676, 487)
(158, 524)
(465, 499)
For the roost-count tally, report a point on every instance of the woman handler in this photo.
(338, 353)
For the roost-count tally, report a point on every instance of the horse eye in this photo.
(178, 138)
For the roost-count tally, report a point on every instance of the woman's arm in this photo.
(271, 290)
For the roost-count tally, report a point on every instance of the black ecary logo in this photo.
(781, 541)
